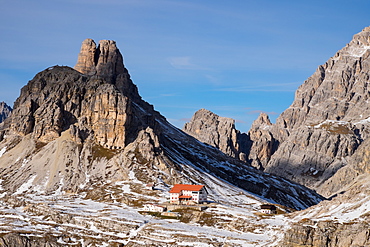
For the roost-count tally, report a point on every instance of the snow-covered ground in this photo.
(2, 151)
(114, 217)
(110, 214)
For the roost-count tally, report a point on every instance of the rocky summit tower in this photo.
(104, 60)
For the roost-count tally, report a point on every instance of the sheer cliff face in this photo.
(338, 90)
(255, 148)
(329, 118)
(104, 60)
(97, 101)
(73, 128)
(68, 99)
(216, 131)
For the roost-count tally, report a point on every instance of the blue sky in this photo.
(235, 58)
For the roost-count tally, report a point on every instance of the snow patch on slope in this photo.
(24, 187)
(357, 51)
(2, 151)
(364, 121)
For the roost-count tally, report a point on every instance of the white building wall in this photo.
(174, 197)
(198, 197)
(153, 208)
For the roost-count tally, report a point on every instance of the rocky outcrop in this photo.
(217, 131)
(86, 61)
(263, 141)
(5, 111)
(327, 234)
(343, 220)
(46, 109)
(353, 175)
(327, 122)
(104, 60)
(16, 240)
(255, 148)
(74, 123)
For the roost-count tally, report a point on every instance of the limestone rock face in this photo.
(255, 148)
(344, 219)
(13, 239)
(110, 61)
(96, 101)
(109, 112)
(353, 174)
(327, 149)
(5, 111)
(104, 60)
(328, 119)
(338, 90)
(69, 98)
(327, 122)
(216, 131)
(263, 143)
(86, 62)
(327, 234)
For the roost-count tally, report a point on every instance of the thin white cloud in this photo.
(213, 79)
(278, 87)
(181, 62)
(185, 62)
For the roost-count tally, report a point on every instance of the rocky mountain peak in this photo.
(104, 60)
(328, 119)
(362, 38)
(86, 58)
(217, 131)
(338, 90)
(5, 111)
(96, 103)
(263, 120)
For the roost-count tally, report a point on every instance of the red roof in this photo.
(177, 188)
(184, 197)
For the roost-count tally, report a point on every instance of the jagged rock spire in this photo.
(86, 58)
(216, 131)
(263, 120)
(5, 111)
(104, 60)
